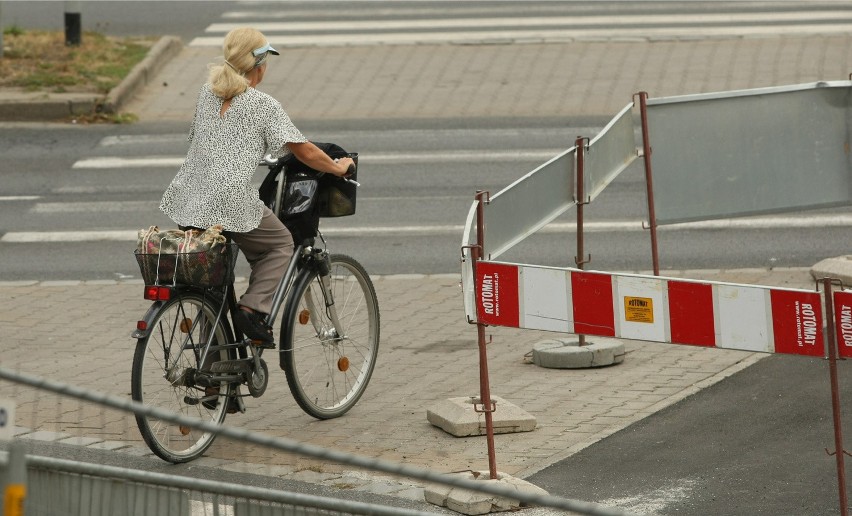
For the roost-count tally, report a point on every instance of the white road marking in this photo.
(816, 221)
(448, 156)
(568, 23)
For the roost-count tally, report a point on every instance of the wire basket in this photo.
(211, 268)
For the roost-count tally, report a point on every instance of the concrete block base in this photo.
(568, 354)
(457, 416)
(839, 267)
(471, 502)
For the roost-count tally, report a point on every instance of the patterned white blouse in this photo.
(214, 184)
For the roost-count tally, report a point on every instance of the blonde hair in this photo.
(228, 79)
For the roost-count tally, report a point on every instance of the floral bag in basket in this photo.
(191, 257)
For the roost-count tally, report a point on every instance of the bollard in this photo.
(15, 487)
(72, 24)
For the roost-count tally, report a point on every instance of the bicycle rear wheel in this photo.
(327, 373)
(162, 377)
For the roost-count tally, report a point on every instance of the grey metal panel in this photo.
(468, 238)
(609, 153)
(530, 203)
(518, 211)
(749, 152)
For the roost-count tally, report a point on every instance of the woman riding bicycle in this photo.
(234, 126)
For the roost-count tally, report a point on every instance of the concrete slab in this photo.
(470, 502)
(567, 353)
(458, 417)
(839, 267)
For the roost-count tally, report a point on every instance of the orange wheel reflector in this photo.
(185, 325)
(304, 316)
(343, 364)
(184, 430)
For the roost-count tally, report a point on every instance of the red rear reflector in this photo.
(157, 293)
(141, 325)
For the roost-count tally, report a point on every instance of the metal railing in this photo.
(58, 487)
(181, 495)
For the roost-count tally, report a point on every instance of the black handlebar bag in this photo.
(307, 194)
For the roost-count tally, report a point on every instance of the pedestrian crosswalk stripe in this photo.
(534, 36)
(814, 221)
(117, 162)
(464, 25)
(95, 207)
(568, 23)
(451, 156)
(19, 198)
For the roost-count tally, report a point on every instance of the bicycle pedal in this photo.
(238, 366)
(262, 344)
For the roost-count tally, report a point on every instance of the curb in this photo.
(47, 107)
(161, 53)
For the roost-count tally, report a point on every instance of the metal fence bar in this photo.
(291, 446)
(173, 501)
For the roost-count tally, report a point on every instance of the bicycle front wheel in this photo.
(164, 366)
(328, 368)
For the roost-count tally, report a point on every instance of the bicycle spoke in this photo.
(180, 332)
(328, 367)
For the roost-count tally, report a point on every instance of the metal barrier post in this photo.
(580, 260)
(649, 180)
(835, 396)
(484, 387)
(15, 487)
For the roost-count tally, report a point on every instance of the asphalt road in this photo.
(418, 183)
(754, 443)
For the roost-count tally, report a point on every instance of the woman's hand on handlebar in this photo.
(312, 156)
(345, 166)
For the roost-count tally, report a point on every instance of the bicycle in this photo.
(191, 359)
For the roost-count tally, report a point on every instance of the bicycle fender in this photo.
(148, 319)
(290, 308)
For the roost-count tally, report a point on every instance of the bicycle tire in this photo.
(177, 330)
(327, 376)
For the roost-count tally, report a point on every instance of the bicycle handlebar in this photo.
(270, 161)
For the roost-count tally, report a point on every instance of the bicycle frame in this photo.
(189, 338)
(302, 256)
(307, 258)
(280, 294)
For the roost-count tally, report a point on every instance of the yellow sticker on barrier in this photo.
(13, 500)
(639, 309)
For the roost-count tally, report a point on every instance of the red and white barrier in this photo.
(843, 322)
(652, 308)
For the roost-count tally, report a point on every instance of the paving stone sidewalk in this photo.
(564, 80)
(79, 333)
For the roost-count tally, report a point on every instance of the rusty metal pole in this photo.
(649, 181)
(835, 396)
(580, 259)
(484, 383)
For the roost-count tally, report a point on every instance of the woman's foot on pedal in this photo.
(233, 406)
(254, 327)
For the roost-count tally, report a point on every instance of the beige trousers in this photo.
(268, 249)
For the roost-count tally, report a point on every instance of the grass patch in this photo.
(40, 61)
